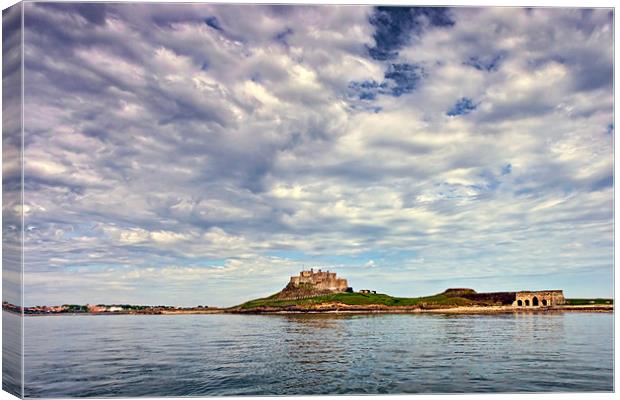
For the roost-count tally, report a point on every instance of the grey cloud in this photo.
(151, 167)
(94, 13)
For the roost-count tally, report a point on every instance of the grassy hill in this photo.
(359, 299)
(449, 298)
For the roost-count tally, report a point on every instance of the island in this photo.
(317, 291)
(323, 291)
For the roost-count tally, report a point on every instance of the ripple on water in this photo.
(316, 354)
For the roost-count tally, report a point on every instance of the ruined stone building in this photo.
(320, 281)
(541, 298)
(529, 299)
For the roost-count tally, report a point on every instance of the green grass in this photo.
(386, 300)
(359, 299)
(581, 302)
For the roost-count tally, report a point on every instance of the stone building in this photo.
(541, 298)
(320, 281)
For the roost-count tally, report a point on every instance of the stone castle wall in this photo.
(320, 280)
(541, 298)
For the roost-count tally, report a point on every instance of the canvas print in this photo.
(253, 199)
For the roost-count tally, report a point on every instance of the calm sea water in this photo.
(197, 355)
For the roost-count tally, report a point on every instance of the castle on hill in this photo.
(313, 283)
(320, 280)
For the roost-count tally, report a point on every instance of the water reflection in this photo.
(316, 354)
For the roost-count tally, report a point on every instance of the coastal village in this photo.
(101, 309)
(323, 291)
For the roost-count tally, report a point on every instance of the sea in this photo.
(308, 354)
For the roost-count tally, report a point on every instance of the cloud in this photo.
(12, 208)
(185, 146)
(484, 62)
(370, 264)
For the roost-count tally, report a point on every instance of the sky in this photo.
(190, 154)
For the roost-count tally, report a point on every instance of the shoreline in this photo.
(346, 309)
(462, 310)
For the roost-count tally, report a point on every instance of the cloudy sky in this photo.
(201, 154)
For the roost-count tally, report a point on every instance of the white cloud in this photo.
(182, 152)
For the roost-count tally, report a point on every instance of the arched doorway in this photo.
(544, 302)
(535, 301)
(527, 303)
(519, 303)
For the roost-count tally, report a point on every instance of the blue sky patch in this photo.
(405, 78)
(399, 79)
(368, 90)
(395, 27)
(214, 23)
(463, 106)
(281, 37)
(506, 169)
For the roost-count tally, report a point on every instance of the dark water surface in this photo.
(196, 355)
